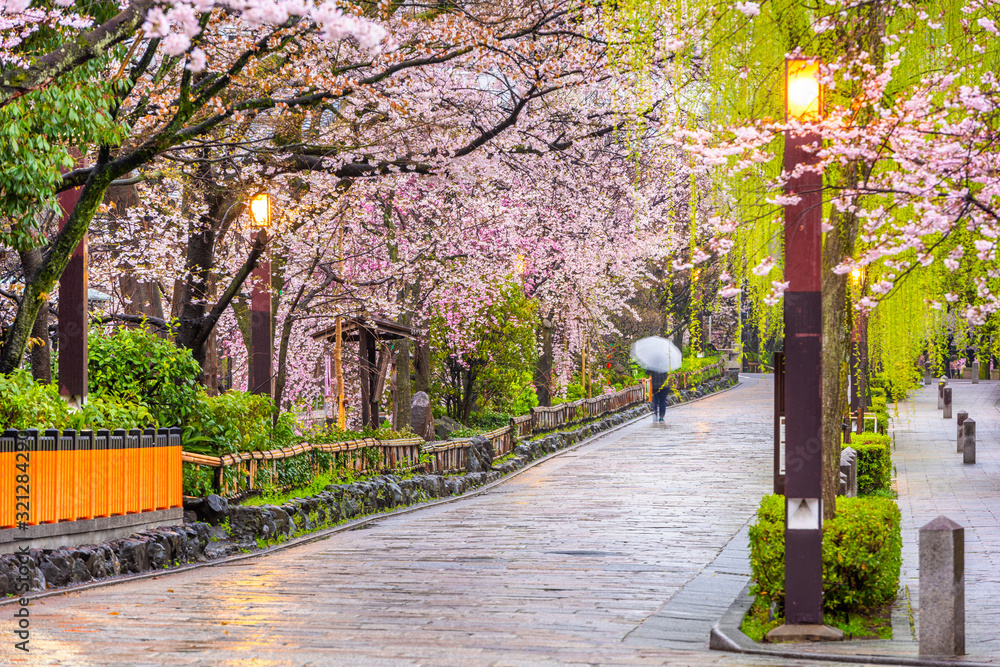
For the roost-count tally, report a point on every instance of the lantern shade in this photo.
(260, 210)
(803, 93)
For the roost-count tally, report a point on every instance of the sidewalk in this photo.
(931, 480)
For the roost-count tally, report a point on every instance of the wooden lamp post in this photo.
(803, 361)
(260, 301)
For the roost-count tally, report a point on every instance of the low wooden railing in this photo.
(53, 476)
(243, 472)
(556, 416)
(691, 378)
(450, 455)
(401, 455)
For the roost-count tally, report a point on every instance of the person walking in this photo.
(660, 390)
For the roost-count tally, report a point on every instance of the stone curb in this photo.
(727, 636)
(350, 525)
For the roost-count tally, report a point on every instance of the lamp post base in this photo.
(805, 632)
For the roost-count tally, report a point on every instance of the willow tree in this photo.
(895, 76)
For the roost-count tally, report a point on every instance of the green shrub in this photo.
(197, 480)
(874, 461)
(26, 404)
(862, 553)
(236, 421)
(134, 365)
(882, 422)
(487, 420)
(878, 403)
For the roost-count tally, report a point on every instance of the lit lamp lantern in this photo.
(260, 210)
(804, 95)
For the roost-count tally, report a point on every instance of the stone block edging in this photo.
(727, 636)
(202, 551)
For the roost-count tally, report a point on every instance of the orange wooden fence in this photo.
(53, 476)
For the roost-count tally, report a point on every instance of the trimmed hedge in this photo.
(874, 461)
(862, 554)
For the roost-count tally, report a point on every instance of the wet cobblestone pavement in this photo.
(611, 553)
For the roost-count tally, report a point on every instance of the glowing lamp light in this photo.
(260, 210)
(803, 94)
(856, 275)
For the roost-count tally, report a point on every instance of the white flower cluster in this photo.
(334, 23)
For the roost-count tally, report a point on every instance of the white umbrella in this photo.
(656, 354)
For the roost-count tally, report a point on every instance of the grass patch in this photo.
(868, 624)
(314, 487)
(758, 621)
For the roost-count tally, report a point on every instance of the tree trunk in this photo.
(200, 260)
(281, 376)
(543, 367)
(401, 412)
(836, 344)
(422, 365)
(41, 354)
(839, 243)
(52, 267)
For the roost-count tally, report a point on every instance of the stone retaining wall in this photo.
(214, 529)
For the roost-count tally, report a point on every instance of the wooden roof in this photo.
(382, 329)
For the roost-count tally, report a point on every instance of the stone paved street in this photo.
(607, 554)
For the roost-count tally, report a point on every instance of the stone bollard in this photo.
(975, 372)
(941, 384)
(927, 375)
(849, 471)
(962, 416)
(947, 403)
(942, 588)
(969, 445)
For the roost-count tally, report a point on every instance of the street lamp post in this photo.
(260, 302)
(803, 352)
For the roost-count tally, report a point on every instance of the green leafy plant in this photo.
(134, 365)
(26, 404)
(862, 554)
(197, 480)
(874, 461)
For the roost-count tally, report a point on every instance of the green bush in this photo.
(197, 480)
(487, 420)
(236, 421)
(134, 365)
(878, 403)
(522, 397)
(26, 404)
(874, 461)
(862, 553)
